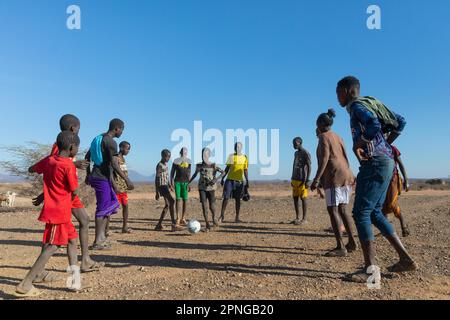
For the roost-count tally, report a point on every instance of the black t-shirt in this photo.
(109, 150)
(182, 169)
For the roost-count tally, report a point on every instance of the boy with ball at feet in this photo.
(163, 187)
(60, 185)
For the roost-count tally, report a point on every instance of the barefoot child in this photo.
(336, 178)
(395, 190)
(370, 120)
(121, 184)
(163, 188)
(60, 185)
(71, 123)
(207, 186)
(102, 152)
(300, 178)
(179, 177)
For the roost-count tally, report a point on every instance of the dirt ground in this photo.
(263, 258)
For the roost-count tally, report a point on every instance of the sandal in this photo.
(101, 246)
(357, 277)
(94, 267)
(32, 293)
(336, 253)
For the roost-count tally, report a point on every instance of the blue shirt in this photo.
(366, 125)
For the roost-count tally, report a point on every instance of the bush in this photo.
(28, 155)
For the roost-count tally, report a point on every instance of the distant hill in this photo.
(5, 178)
(138, 177)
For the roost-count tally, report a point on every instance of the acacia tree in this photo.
(29, 154)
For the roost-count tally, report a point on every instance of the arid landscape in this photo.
(263, 258)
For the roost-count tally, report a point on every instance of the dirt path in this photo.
(260, 259)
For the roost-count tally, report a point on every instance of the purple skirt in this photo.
(107, 203)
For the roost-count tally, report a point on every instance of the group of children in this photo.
(235, 186)
(374, 129)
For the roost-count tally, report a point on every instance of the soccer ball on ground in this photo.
(194, 226)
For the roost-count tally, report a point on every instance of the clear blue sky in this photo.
(159, 65)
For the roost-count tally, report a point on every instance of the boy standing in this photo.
(179, 177)
(207, 186)
(121, 184)
(233, 188)
(163, 188)
(336, 178)
(370, 120)
(102, 152)
(71, 123)
(300, 179)
(395, 190)
(60, 185)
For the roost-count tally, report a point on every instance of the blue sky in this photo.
(161, 65)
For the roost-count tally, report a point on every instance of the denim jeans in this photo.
(371, 188)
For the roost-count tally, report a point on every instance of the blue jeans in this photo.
(371, 188)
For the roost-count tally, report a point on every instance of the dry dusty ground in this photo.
(259, 259)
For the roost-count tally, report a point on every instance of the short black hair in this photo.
(68, 121)
(67, 138)
(115, 124)
(349, 82)
(327, 119)
(124, 143)
(297, 139)
(165, 153)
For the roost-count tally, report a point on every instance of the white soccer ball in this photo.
(194, 226)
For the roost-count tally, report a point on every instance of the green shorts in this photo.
(181, 190)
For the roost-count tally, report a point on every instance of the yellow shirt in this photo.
(237, 163)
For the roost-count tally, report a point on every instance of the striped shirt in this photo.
(162, 174)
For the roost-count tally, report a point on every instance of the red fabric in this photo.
(60, 180)
(396, 153)
(123, 198)
(59, 234)
(55, 150)
(76, 203)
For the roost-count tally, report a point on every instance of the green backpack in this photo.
(387, 118)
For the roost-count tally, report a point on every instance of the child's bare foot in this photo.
(127, 231)
(177, 227)
(183, 222)
(405, 232)
(304, 221)
(238, 221)
(159, 227)
(295, 222)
